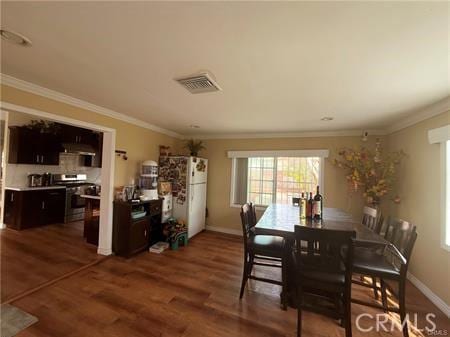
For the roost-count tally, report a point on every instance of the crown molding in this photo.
(60, 97)
(421, 114)
(417, 116)
(305, 134)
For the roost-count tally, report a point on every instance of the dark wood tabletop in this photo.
(280, 219)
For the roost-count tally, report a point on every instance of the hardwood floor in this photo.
(191, 292)
(34, 256)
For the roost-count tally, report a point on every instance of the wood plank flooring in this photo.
(192, 292)
(34, 256)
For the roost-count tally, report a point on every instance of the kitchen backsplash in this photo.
(68, 163)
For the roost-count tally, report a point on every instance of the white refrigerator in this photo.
(188, 176)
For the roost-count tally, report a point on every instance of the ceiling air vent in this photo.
(199, 83)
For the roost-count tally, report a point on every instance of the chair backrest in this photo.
(329, 251)
(248, 219)
(295, 201)
(372, 220)
(402, 235)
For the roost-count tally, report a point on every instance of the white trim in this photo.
(53, 117)
(301, 134)
(439, 135)
(279, 153)
(442, 135)
(107, 170)
(5, 117)
(435, 299)
(104, 251)
(60, 97)
(420, 115)
(224, 230)
(232, 187)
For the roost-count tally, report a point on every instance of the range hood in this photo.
(77, 148)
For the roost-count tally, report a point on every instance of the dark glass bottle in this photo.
(309, 205)
(317, 208)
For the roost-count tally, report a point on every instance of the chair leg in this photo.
(402, 307)
(374, 287)
(384, 295)
(284, 294)
(299, 301)
(244, 275)
(348, 313)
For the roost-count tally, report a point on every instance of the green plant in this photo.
(372, 172)
(43, 126)
(194, 146)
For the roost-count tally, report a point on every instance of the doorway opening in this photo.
(65, 235)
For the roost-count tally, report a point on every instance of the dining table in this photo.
(281, 219)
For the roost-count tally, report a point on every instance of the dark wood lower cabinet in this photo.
(26, 209)
(131, 236)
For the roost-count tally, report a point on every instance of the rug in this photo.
(14, 320)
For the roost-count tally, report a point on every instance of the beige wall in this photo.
(219, 179)
(419, 188)
(140, 143)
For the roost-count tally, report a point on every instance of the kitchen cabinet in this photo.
(28, 146)
(131, 236)
(95, 161)
(73, 134)
(32, 208)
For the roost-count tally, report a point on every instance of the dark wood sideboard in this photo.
(131, 236)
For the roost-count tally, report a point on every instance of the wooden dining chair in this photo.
(259, 248)
(372, 219)
(324, 273)
(391, 265)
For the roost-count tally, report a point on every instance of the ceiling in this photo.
(282, 65)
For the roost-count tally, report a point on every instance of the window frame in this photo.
(441, 136)
(321, 154)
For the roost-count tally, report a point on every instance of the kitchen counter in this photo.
(88, 196)
(26, 188)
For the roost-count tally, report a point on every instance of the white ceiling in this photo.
(282, 66)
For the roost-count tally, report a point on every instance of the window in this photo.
(265, 177)
(442, 136)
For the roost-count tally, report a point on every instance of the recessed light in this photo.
(326, 119)
(193, 126)
(15, 38)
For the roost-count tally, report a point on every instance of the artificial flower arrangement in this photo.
(371, 172)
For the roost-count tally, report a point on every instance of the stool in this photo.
(180, 236)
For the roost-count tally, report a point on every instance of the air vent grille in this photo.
(200, 83)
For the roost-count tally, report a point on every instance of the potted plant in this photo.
(43, 126)
(194, 146)
(371, 172)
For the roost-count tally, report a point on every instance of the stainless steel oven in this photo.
(75, 187)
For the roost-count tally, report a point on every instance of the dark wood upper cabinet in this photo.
(73, 134)
(33, 147)
(27, 146)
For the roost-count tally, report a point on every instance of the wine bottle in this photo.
(317, 205)
(309, 205)
(303, 203)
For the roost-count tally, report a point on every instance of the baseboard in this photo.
(437, 301)
(224, 230)
(104, 251)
